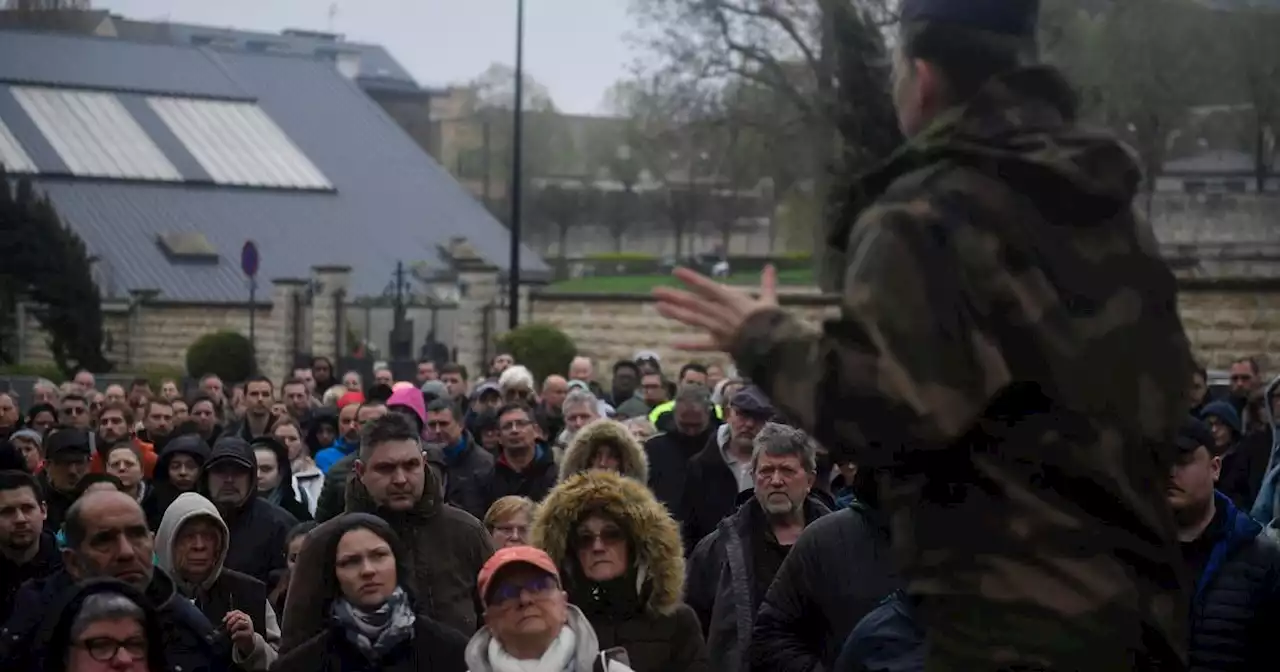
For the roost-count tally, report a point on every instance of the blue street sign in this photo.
(249, 258)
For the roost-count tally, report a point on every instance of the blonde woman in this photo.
(508, 521)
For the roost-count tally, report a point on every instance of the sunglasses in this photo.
(610, 536)
(509, 592)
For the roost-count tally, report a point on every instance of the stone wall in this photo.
(610, 327)
(164, 333)
(1224, 320)
(158, 333)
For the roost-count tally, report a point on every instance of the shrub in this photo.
(543, 348)
(228, 354)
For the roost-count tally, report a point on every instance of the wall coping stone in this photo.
(644, 297)
(1231, 284)
(220, 305)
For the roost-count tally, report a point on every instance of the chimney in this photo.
(348, 63)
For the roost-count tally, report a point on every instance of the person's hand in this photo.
(717, 309)
(240, 628)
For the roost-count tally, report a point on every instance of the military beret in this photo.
(1009, 17)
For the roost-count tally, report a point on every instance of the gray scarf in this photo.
(377, 632)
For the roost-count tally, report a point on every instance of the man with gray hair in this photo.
(45, 392)
(579, 408)
(747, 548)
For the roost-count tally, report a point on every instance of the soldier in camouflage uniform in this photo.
(1008, 353)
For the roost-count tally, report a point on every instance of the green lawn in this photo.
(638, 284)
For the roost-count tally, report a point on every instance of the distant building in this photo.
(165, 159)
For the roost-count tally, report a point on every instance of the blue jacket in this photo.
(1235, 611)
(886, 640)
(190, 640)
(327, 457)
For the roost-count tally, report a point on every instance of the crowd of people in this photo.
(668, 522)
(1001, 406)
(444, 523)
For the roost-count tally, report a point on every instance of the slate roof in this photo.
(377, 66)
(390, 202)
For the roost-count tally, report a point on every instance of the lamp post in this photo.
(517, 176)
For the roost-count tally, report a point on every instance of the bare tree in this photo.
(1254, 37)
(791, 48)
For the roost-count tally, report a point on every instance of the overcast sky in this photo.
(575, 47)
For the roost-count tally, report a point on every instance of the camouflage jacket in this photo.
(1010, 354)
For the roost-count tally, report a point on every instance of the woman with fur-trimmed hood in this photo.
(622, 564)
(605, 444)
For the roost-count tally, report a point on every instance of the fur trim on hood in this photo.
(655, 535)
(577, 457)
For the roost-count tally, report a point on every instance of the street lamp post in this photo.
(517, 176)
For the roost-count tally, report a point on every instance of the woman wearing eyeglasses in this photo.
(372, 616)
(103, 626)
(508, 521)
(620, 554)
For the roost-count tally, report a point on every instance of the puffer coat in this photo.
(658, 630)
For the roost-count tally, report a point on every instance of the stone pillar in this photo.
(478, 291)
(328, 282)
(275, 357)
(528, 313)
(137, 303)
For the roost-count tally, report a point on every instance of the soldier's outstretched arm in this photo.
(907, 364)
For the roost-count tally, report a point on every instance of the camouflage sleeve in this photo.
(906, 366)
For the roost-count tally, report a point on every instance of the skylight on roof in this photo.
(187, 246)
(238, 144)
(94, 134)
(12, 156)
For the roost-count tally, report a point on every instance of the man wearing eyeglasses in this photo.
(525, 465)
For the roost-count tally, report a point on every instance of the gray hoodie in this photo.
(190, 505)
(584, 659)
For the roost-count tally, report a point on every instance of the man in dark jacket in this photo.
(107, 537)
(258, 421)
(27, 550)
(525, 466)
(837, 573)
(693, 428)
(1235, 611)
(446, 547)
(229, 479)
(467, 464)
(67, 455)
(715, 477)
(731, 569)
(994, 265)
